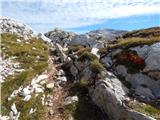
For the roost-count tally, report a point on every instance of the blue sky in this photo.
(83, 15)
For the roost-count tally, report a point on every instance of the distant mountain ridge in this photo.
(108, 34)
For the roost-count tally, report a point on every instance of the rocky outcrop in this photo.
(106, 35)
(86, 41)
(110, 95)
(8, 67)
(12, 26)
(43, 37)
(142, 72)
(59, 36)
(110, 77)
(98, 38)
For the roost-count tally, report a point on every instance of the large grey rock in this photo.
(144, 91)
(142, 50)
(151, 54)
(60, 52)
(121, 70)
(153, 59)
(107, 60)
(139, 79)
(110, 95)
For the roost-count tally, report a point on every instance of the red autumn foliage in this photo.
(136, 59)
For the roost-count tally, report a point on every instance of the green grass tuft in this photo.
(132, 42)
(88, 56)
(146, 109)
(96, 66)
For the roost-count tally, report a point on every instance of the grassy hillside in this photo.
(135, 38)
(143, 33)
(33, 58)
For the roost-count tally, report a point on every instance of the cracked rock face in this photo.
(59, 36)
(110, 95)
(146, 78)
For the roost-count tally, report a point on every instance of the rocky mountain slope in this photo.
(108, 35)
(96, 38)
(100, 75)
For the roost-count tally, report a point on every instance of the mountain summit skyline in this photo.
(82, 16)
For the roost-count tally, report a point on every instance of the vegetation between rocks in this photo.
(33, 58)
(96, 66)
(84, 109)
(146, 109)
(135, 41)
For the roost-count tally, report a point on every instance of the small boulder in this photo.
(70, 100)
(50, 85)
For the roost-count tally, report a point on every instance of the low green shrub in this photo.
(83, 50)
(146, 109)
(96, 66)
(87, 56)
(74, 48)
(132, 42)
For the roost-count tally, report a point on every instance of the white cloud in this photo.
(75, 13)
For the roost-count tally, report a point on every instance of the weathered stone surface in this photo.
(40, 35)
(139, 79)
(61, 73)
(27, 98)
(95, 51)
(26, 91)
(143, 91)
(121, 70)
(109, 94)
(8, 67)
(84, 40)
(107, 60)
(147, 76)
(153, 59)
(50, 85)
(4, 117)
(60, 52)
(106, 35)
(70, 100)
(38, 79)
(59, 36)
